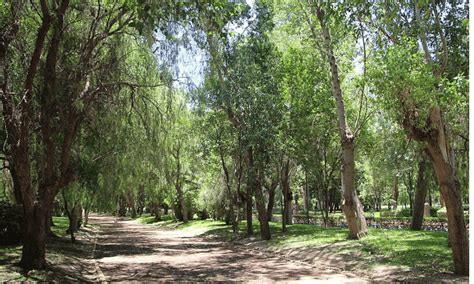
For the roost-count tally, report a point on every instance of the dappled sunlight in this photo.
(129, 251)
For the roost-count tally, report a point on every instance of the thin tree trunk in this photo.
(271, 198)
(285, 185)
(396, 192)
(262, 211)
(351, 206)
(86, 215)
(179, 190)
(250, 182)
(420, 195)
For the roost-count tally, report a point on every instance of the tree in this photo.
(415, 85)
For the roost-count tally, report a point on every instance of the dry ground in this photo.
(129, 251)
(115, 249)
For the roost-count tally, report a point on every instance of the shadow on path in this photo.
(128, 251)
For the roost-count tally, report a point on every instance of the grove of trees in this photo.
(299, 106)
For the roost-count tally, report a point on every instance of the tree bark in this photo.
(420, 195)
(351, 206)
(287, 197)
(396, 192)
(33, 254)
(262, 210)
(438, 149)
(178, 186)
(255, 182)
(271, 198)
(248, 200)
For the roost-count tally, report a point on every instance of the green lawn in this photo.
(423, 251)
(61, 224)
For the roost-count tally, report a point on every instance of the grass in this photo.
(61, 224)
(149, 219)
(422, 251)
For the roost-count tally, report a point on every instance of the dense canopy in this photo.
(292, 111)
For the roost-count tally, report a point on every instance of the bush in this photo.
(434, 212)
(398, 213)
(442, 214)
(11, 224)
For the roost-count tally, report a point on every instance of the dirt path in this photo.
(129, 251)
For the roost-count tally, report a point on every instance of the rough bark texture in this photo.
(351, 206)
(420, 195)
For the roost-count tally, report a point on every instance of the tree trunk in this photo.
(178, 185)
(49, 221)
(438, 149)
(86, 215)
(248, 212)
(396, 192)
(271, 199)
(16, 187)
(250, 181)
(420, 195)
(34, 245)
(305, 194)
(182, 203)
(285, 186)
(262, 211)
(351, 206)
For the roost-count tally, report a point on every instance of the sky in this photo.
(191, 61)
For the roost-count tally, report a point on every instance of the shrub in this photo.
(441, 213)
(434, 212)
(11, 224)
(398, 213)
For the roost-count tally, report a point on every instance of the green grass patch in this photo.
(149, 219)
(61, 224)
(424, 251)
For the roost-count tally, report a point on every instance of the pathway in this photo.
(128, 251)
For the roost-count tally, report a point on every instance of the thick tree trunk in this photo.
(16, 187)
(34, 244)
(351, 206)
(438, 149)
(420, 195)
